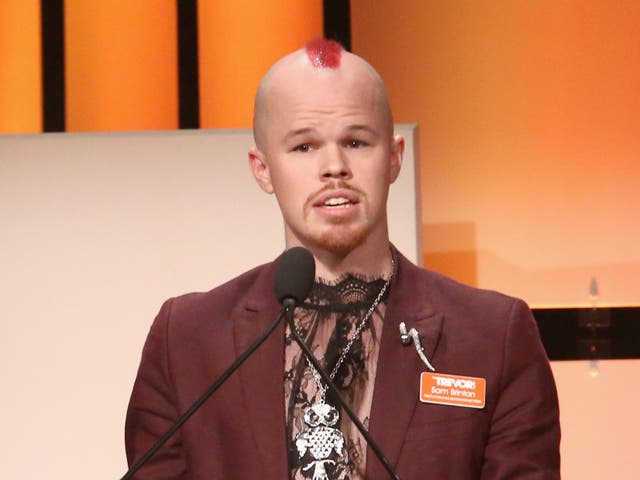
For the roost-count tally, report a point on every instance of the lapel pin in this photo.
(412, 334)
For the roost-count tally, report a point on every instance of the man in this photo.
(324, 145)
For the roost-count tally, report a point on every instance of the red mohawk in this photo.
(324, 53)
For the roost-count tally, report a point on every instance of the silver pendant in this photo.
(320, 445)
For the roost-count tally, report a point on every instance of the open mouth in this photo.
(337, 202)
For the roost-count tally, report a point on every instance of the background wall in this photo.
(120, 59)
(20, 75)
(238, 43)
(529, 138)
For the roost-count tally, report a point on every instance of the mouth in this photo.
(337, 199)
(338, 202)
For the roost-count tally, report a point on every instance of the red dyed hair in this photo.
(324, 53)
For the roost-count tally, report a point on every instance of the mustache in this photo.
(338, 185)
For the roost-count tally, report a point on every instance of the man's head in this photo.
(325, 146)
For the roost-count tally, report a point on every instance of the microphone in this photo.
(294, 277)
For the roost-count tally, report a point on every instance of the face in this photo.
(329, 156)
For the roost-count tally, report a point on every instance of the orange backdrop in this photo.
(120, 65)
(238, 41)
(529, 138)
(21, 69)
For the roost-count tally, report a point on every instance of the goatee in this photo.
(342, 239)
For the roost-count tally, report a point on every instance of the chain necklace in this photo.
(320, 444)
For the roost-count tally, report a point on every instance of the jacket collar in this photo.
(261, 375)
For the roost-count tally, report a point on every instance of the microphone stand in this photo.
(205, 396)
(288, 307)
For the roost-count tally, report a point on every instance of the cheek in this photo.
(290, 193)
(280, 180)
(292, 182)
(376, 181)
(376, 190)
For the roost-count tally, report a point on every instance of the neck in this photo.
(367, 260)
(330, 268)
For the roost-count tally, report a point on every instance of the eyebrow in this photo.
(365, 128)
(350, 129)
(295, 133)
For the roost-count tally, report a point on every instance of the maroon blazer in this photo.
(240, 432)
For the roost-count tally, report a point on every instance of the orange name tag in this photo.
(452, 390)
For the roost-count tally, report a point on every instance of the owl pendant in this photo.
(320, 446)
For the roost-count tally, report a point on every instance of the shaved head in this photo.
(324, 145)
(320, 62)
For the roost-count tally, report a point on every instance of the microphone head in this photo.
(294, 275)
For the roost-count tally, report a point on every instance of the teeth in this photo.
(337, 202)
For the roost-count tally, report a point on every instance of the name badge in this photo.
(453, 390)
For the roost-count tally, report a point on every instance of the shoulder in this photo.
(253, 288)
(481, 322)
(445, 295)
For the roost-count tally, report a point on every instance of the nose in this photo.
(335, 164)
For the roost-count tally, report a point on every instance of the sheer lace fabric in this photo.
(327, 321)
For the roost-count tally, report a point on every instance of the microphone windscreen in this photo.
(294, 275)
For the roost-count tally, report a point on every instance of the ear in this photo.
(397, 153)
(260, 169)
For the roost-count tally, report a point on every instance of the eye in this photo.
(356, 143)
(303, 148)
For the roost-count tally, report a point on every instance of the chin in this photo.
(341, 241)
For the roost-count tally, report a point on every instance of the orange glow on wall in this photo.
(237, 43)
(121, 65)
(529, 137)
(21, 71)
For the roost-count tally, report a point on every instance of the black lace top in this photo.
(327, 321)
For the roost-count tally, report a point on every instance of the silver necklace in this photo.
(319, 440)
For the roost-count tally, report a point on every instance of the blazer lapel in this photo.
(261, 375)
(396, 393)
